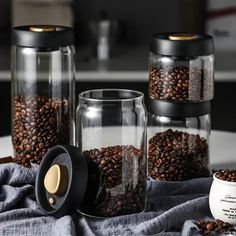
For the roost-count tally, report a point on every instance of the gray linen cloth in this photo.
(171, 207)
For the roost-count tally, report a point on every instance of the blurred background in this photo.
(127, 26)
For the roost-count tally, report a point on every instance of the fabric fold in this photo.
(171, 209)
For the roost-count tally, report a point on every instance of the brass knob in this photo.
(56, 179)
(42, 28)
(182, 36)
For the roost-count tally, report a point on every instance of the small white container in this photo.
(222, 200)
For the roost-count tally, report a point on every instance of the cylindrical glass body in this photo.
(181, 86)
(178, 148)
(42, 100)
(181, 79)
(111, 133)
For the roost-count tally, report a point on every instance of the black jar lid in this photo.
(182, 44)
(179, 109)
(42, 36)
(61, 180)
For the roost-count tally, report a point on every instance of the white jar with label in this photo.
(222, 200)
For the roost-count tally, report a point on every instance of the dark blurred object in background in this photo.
(141, 18)
(5, 21)
(105, 28)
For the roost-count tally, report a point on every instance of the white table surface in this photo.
(222, 149)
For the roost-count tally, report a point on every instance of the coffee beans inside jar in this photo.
(226, 175)
(39, 123)
(177, 155)
(124, 172)
(180, 83)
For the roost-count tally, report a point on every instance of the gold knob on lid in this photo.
(56, 179)
(42, 28)
(182, 36)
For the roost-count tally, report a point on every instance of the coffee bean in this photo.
(226, 175)
(177, 155)
(210, 226)
(124, 171)
(187, 84)
(36, 120)
(7, 159)
(213, 227)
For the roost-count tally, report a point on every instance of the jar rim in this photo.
(223, 181)
(111, 95)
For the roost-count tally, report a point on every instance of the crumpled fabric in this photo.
(171, 209)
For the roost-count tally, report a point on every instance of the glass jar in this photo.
(42, 90)
(178, 148)
(181, 86)
(181, 67)
(111, 133)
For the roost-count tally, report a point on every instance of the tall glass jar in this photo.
(42, 90)
(111, 133)
(181, 87)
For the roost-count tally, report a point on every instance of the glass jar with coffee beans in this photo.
(181, 82)
(111, 133)
(181, 67)
(178, 149)
(42, 90)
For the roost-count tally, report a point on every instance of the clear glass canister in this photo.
(178, 148)
(42, 90)
(181, 87)
(181, 68)
(111, 133)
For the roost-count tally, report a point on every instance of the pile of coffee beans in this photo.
(180, 83)
(124, 171)
(177, 155)
(39, 123)
(227, 175)
(214, 227)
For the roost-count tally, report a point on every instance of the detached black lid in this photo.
(61, 181)
(182, 44)
(42, 36)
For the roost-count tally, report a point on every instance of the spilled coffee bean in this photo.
(177, 155)
(39, 123)
(123, 168)
(4, 160)
(214, 227)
